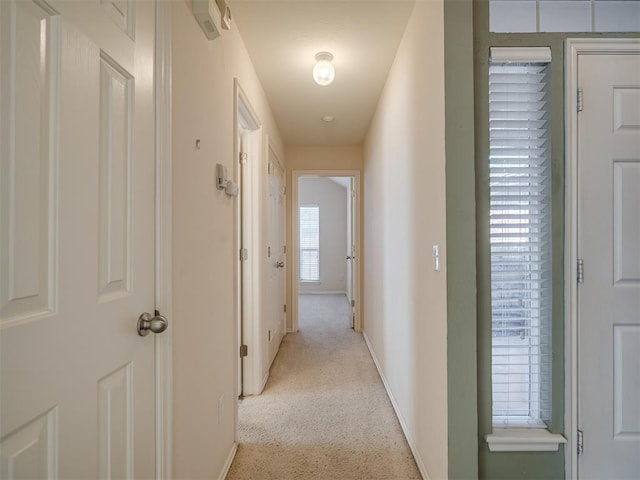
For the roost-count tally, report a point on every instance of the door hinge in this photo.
(580, 100)
(268, 252)
(284, 249)
(243, 157)
(269, 168)
(244, 350)
(284, 190)
(580, 446)
(285, 308)
(353, 303)
(244, 254)
(580, 274)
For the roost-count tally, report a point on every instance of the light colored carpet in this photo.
(324, 413)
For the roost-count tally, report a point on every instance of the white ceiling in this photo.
(283, 37)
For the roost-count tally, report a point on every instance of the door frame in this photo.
(247, 235)
(295, 260)
(163, 234)
(574, 47)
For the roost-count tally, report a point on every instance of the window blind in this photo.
(309, 243)
(520, 240)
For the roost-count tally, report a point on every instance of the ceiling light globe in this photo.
(323, 71)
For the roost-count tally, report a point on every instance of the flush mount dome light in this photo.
(323, 71)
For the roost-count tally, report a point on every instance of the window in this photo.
(520, 238)
(309, 243)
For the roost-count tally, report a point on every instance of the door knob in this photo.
(155, 324)
(348, 258)
(280, 264)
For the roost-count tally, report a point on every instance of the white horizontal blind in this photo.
(309, 243)
(520, 238)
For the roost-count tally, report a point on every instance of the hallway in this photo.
(324, 413)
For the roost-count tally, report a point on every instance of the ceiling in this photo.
(283, 37)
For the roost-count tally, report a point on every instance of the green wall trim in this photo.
(529, 465)
(461, 250)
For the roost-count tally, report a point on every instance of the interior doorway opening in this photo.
(326, 234)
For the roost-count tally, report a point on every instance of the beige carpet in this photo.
(324, 413)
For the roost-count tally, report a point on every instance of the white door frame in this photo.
(296, 174)
(163, 273)
(247, 235)
(573, 49)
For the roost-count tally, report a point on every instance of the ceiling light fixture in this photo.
(328, 118)
(323, 71)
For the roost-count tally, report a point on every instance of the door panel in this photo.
(609, 244)
(77, 240)
(275, 257)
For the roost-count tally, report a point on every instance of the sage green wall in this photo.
(530, 465)
(461, 249)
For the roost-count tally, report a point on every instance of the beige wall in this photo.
(204, 256)
(315, 158)
(405, 309)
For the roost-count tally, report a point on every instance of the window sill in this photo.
(523, 440)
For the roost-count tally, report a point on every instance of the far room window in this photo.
(520, 236)
(309, 243)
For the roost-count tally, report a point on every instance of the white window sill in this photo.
(523, 440)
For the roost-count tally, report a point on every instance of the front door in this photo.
(609, 246)
(76, 239)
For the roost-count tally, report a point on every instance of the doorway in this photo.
(325, 235)
(603, 238)
(248, 134)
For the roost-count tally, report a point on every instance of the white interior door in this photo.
(609, 245)
(275, 257)
(351, 247)
(282, 229)
(77, 239)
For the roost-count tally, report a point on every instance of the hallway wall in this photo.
(204, 257)
(405, 300)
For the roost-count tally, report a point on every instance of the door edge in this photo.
(163, 234)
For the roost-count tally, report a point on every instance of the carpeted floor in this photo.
(324, 413)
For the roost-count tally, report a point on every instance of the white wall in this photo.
(405, 318)
(332, 200)
(204, 256)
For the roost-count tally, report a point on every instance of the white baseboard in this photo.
(322, 292)
(227, 464)
(403, 424)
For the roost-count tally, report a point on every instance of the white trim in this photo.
(521, 54)
(163, 233)
(295, 175)
(573, 48)
(523, 440)
(251, 191)
(403, 424)
(228, 462)
(328, 292)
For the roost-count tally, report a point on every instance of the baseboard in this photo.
(323, 292)
(416, 455)
(227, 464)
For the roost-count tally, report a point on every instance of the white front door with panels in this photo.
(77, 239)
(609, 247)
